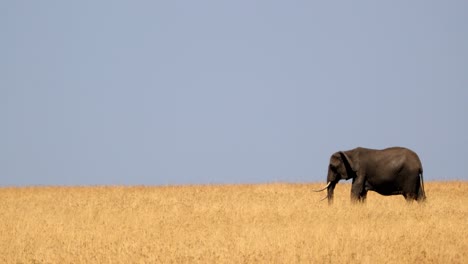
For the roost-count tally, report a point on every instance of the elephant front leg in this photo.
(358, 194)
(363, 196)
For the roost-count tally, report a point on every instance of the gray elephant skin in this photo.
(390, 171)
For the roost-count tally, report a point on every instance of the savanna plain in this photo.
(264, 223)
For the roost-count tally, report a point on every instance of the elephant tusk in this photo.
(323, 188)
(323, 198)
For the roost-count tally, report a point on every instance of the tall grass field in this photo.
(265, 223)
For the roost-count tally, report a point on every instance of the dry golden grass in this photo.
(270, 223)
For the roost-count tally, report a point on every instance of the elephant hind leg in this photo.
(411, 185)
(421, 195)
(410, 197)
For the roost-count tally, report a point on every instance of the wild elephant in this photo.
(390, 171)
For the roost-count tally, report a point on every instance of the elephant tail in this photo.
(422, 193)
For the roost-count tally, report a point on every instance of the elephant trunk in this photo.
(330, 187)
(332, 180)
(330, 191)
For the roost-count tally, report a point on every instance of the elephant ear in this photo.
(335, 160)
(350, 159)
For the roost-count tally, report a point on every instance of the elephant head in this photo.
(343, 166)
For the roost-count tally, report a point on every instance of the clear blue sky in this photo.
(199, 92)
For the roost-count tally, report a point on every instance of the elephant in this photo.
(390, 171)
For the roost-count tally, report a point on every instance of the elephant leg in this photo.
(411, 187)
(357, 189)
(421, 197)
(411, 183)
(363, 196)
(410, 197)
